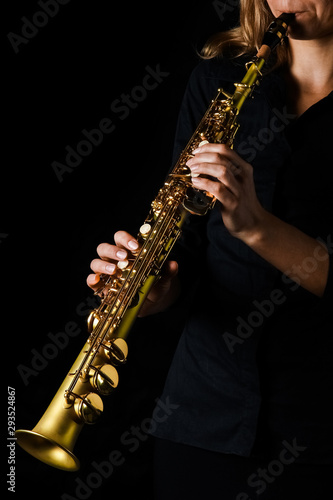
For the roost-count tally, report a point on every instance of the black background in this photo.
(62, 81)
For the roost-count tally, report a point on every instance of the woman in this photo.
(251, 379)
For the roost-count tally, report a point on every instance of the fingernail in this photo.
(194, 170)
(133, 245)
(195, 180)
(110, 268)
(121, 254)
(93, 280)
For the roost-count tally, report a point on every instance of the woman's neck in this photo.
(309, 76)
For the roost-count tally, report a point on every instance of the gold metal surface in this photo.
(93, 373)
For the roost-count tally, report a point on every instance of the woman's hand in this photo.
(162, 294)
(230, 179)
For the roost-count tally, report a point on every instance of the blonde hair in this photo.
(255, 16)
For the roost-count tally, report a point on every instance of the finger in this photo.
(126, 240)
(215, 147)
(161, 288)
(170, 269)
(100, 266)
(215, 159)
(109, 252)
(212, 147)
(216, 188)
(222, 150)
(93, 281)
(207, 157)
(225, 174)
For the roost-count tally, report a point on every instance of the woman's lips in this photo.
(297, 14)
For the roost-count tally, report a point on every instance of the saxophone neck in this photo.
(274, 35)
(252, 77)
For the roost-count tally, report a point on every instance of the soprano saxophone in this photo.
(93, 374)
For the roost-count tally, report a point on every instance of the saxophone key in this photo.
(93, 320)
(122, 264)
(116, 350)
(69, 399)
(88, 407)
(145, 230)
(104, 379)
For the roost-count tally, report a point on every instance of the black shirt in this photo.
(253, 368)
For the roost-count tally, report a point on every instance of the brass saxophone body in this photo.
(93, 374)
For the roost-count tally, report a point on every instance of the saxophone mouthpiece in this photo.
(287, 17)
(275, 33)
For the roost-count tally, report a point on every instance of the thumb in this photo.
(169, 270)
